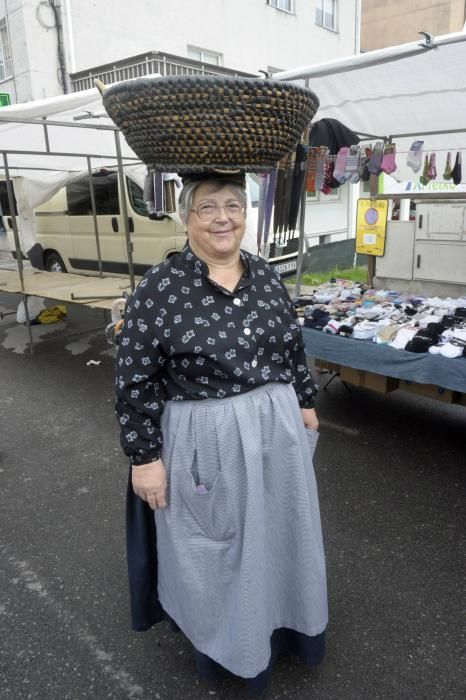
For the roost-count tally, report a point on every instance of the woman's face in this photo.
(219, 234)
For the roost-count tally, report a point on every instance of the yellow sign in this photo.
(371, 226)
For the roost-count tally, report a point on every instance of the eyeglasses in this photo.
(208, 212)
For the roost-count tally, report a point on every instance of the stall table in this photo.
(384, 369)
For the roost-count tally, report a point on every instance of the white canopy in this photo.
(416, 88)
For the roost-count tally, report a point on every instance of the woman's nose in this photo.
(221, 214)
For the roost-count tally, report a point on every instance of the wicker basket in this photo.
(204, 123)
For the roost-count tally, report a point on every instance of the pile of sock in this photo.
(404, 322)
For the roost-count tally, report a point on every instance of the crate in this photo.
(431, 391)
(368, 380)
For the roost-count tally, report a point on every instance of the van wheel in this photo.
(54, 263)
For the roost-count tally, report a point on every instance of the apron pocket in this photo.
(206, 512)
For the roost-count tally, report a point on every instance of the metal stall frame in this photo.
(45, 124)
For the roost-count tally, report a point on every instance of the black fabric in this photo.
(185, 337)
(422, 341)
(299, 177)
(310, 650)
(141, 555)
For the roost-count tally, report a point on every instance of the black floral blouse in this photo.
(187, 338)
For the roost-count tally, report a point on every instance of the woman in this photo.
(216, 409)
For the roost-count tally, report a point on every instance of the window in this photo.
(333, 196)
(6, 63)
(136, 197)
(326, 14)
(284, 5)
(205, 56)
(78, 195)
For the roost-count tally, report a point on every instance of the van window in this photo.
(136, 197)
(78, 195)
(4, 202)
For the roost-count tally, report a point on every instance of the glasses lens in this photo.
(207, 212)
(234, 210)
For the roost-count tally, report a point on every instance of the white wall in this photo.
(328, 216)
(250, 34)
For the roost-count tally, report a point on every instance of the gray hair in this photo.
(185, 201)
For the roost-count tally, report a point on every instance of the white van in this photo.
(66, 240)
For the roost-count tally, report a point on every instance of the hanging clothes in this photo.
(299, 177)
(334, 135)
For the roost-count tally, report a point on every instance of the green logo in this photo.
(4, 99)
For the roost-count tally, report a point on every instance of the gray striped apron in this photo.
(239, 546)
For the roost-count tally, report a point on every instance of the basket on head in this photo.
(204, 123)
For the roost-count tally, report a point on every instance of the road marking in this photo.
(32, 583)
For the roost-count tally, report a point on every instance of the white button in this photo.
(237, 302)
(247, 331)
(254, 363)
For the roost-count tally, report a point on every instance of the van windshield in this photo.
(136, 197)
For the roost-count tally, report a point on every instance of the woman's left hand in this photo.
(310, 419)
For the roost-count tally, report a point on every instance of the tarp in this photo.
(405, 89)
(38, 177)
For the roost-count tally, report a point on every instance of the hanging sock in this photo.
(424, 179)
(388, 160)
(432, 170)
(456, 172)
(322, 153)
(311, 169)
(364, 171)
(340, 165)
(352, 164)
(448, 172)
(328, 175)
(414, 159)
(375, 161)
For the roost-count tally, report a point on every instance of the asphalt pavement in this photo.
(390, 471)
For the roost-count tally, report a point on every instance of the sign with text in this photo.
(371, 226)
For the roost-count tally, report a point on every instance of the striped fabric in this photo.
(239, 546)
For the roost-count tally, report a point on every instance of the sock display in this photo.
(414, 159)
(456, 172)
(424, 179)
(388, 160)
(340, 165)
(447, 172)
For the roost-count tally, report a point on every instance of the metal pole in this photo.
(302, 221)
(94, 215)
(19, 255)
(124, 209)
(46, 136)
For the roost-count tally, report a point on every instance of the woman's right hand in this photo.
(150, 483)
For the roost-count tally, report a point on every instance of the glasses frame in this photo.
(217, 212)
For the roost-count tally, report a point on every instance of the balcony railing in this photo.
(146, 64)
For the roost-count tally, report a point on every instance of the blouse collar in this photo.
(201, 268)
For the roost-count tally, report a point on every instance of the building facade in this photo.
(45, 44)
(400, 21)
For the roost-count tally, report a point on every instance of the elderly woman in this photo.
(216, 407)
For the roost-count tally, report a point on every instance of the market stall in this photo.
(414, 92)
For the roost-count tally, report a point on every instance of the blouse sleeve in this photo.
(304, 385)
(140, 394)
